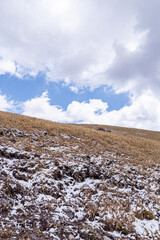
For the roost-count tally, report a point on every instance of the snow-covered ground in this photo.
(52, 190)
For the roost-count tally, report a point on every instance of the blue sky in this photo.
(83, 61)
(24, 89)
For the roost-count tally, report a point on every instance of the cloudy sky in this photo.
(82, 61)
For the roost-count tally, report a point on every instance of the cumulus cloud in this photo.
(84, 43)
(6, 104)
(40, 107)
(90, 43)
(139, 70)
(140, 114)
(65, 39)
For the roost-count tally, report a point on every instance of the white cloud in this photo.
(74, 89)
(76, 112)
(6, 104)
(139, 70)
(140, 114)
(40, 107)
(65, 39)
(89, 42)
(7, 67)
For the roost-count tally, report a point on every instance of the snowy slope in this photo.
(50, 188)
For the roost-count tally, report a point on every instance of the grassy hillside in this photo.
(141, 145)
(153, 135)
(73, 182)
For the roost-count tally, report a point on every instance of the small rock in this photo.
(13, 140)
(157, 192)
(57, 175)
(3, 205)
(44, 224)
(104, 129)
(139, 186)
(69, 213)
(44, 133)
(20, 176)
(1, 133)
(76, 176)
(70, 237)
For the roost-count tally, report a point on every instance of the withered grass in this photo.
(138, 146)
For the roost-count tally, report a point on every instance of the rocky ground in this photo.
(52, 188)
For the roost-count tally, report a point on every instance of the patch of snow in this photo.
(57, 149)
(43, 197)
(65, 136)
(147, 228)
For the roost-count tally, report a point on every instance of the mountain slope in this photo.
(61, 181)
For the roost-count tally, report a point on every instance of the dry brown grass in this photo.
(139, 145)
(154, 135)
